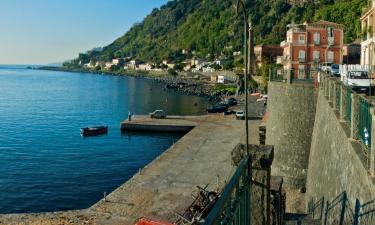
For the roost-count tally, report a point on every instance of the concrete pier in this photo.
(177, 124)
(203, 156)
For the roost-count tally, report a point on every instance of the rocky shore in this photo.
(180, 84)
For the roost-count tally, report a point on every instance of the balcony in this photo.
(301, 59)
(283, 43)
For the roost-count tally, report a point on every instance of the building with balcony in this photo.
(368, 37)
(267, 53)
(310, 44)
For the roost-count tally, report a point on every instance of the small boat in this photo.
(94, 131)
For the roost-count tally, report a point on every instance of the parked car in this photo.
(326, 67)
(335, 70)
(240, 115)
(357, 79)
(231, 102)
(158, 114)
(220, 108)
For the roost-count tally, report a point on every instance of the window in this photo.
(317, 38)
(316, 56)
(330, 35)
(330, 56)
(301, 39)
(301, 55)
(301, 72)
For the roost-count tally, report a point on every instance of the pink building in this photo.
(310, 44)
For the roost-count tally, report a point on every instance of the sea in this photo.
(45, 165)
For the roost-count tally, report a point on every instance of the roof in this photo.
(326, 24)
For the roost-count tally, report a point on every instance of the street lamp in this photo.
(241, 5)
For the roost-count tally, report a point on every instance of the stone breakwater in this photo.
(189, 87)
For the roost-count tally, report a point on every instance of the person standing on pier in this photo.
(129, 116)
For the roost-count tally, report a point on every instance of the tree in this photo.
(178, 67)
(172, 72)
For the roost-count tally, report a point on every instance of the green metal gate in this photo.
(233, 207)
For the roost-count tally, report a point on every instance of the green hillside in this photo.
(211, 27)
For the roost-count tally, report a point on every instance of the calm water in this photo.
(45, 164)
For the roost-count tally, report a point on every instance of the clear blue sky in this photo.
(49, 31)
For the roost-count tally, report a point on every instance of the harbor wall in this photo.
(291, 109)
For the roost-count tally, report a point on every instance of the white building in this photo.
(368, 37)
(145, 67)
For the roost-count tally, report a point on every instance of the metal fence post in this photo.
(342, 105)
(372, 147)
(330, 90)
(343, 208)
(354, 116)
(321, 210)
(289, 76)
(334, 95)
(357, 212)
(326, 214)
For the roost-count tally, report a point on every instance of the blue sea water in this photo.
(45, 165)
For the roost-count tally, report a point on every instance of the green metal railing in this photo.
(233, 206)
(364, 214)
(364, 124)
(348, 105)
(338, 96)
(340, 212)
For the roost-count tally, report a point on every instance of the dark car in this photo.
(231, 102)
(220, 108)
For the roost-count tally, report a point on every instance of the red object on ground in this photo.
(255, 94)
(265, 117)
(148, 221)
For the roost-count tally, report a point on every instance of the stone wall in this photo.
(291, 109)
(334, 165)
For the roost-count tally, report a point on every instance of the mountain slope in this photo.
(212, 27)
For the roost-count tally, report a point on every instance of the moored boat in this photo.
(94, 131)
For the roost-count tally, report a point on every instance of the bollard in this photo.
(105, 196)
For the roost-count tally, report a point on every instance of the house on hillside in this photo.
(132, 64)
(267, 53)
(145, 67)
(310, 44)
(118, 62)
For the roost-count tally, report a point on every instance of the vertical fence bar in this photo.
(357, 211)
(348, 105)
(343, 209)
(321, 210)
(354, 116)
(342, 101)
(372, 146)
(326, 214)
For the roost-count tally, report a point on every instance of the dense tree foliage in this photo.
(211, 27)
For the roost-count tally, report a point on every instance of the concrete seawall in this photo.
(334, 164)
(291, 109)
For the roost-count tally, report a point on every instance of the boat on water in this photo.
(94, 131)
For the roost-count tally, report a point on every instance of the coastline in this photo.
(183, 84)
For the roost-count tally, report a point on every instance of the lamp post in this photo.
(241, 5)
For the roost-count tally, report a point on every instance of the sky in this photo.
(52, 31)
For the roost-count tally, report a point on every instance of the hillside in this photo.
(211, 27)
